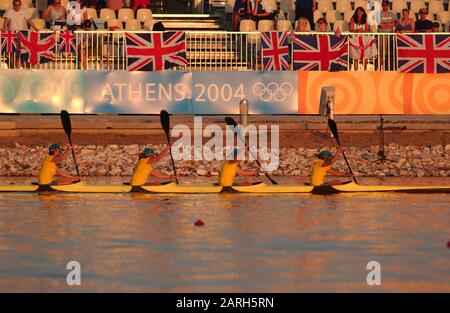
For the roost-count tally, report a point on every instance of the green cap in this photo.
(54, 147)
(325, 154)
(148, 151)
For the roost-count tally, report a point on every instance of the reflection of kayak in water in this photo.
(258, 188)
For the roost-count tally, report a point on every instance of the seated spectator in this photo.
(388, 19)
(358, 22)
(322, 25)
(260, 10)
(436, 27)
(76, 14)
(241, 10)
(406, 24)
(302, 25)
(17, 19)
(423, 25)
(140, 4)
(55, 15)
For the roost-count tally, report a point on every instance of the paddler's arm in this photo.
(63, 155)
(333, 159)
(157, 174)
(66, 175)
(247, 172)
(159, 156)
(338, 173)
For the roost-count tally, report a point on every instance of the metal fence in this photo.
(206, 51)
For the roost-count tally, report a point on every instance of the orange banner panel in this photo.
(430, 94)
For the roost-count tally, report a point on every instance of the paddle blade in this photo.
(333, 129)
(65, 121)
(165, 121)
(230, 121)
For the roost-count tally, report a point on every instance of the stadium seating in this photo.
(317, 15)
(107, 14)
(148, 24)
(343, 6)
(133, 24)
(39, 23)
(143, 15)
(5, 4)
(333, 16)
(360, 3)
(125, 14)
(114, 22)
(284, 26)
(91, 13)
(247, 26)
(265, 25)
(348, 16)
(229, 5)
(399, 5)
(416, 5)
(435, 6)
(342, 25)
(272, 5)
(324, 5)
(33, 12)
(26, 3)
(443, 17)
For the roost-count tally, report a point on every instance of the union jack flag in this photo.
(320, 53)
(155, 51)
(37, 48)
(275, 51)
(426, 53)
(67, 42)
(9, 42)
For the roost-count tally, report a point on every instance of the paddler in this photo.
(322, 167)
(230, 168)
(49, 168)
(144, 169)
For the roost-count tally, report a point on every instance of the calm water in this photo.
(250, 243)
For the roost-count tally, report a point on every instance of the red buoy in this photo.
(199, 223)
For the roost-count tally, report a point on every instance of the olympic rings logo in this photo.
(273, 91)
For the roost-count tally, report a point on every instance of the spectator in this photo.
(140, 4)
(423, 24)
(55, 15)
(387, 18)
(76, 14)
(406, 24)
(114, 5)
(322, 25)
(305, 8)
(241, 10)
(260, 11)
(358, 22)
(17, 18)
(302, 25)
(436, 27)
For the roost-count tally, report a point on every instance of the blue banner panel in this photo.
(138, 92)
(267, 92)
(37, 91)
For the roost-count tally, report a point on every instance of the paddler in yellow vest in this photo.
(322, 167)
(144, 169)
(230, 168)
(49, 168)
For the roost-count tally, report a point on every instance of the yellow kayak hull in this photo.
(258, 188)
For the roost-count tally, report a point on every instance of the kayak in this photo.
(257, 188)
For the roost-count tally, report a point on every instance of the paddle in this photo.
(165, 123)
(334, 131)
(231, 122)
(65, 121)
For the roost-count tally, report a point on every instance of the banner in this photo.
(267, 92)
(138, 92)
(37, 91)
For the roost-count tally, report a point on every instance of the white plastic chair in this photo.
(265, 25)
(399, 5)
(343, 6)
(229, 5)
(416, 5)
(5, 5)
(333, 16)
(316, 15)
(247, 26)
(435, 6)
(284, 26)
(443, 17)
(107, 14)
(348, 16)
(361, 3)
(144, 14)
(342, 25)
(324, 5)
(148, 24)
(133, 25)
(39, 23)
(32, 12)
(125, 14)
(114, 22)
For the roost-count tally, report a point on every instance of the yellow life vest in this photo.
(141, 172)
(318, 173)
(48, 171)
(227, 173)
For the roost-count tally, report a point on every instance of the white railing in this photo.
(206, 51)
